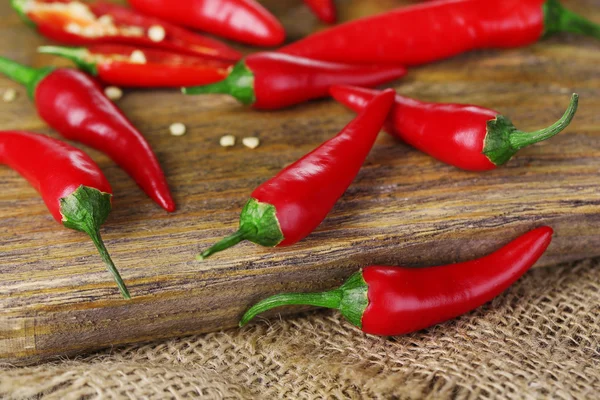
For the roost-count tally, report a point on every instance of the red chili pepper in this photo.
(73, 103)
(73, 187)
(270, 81)
(288, 207)
(399, 300)
(436, 30)
(466, 136)
(113, 64)
(245, 21)
(77, 23)
(324, 9)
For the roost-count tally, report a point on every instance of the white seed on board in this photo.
(157, 33)
(227, 141)
(9, 95)
(177, 129)
(251, 142)
(113, 92)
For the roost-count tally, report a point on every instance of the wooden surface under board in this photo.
(56, 297)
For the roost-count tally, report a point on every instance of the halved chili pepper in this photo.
(72, 185)
(324, 9)
(288, 207)
(79, 23)
(436, 30)
(399, 300)
(466, 136)
(244, 21)
(117, 65)
(74, 104)
(270, 81)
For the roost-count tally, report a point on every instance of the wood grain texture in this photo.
(56, 297)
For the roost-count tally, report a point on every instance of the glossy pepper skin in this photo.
(288, 207)
(324, 9)
(75, 105)
(245, 21)
(436, 30)
(73, 187)
(398, 300)
(271, 81)
(80, 23)
(466, 136)
(112, 65)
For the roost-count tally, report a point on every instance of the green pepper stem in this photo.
(79, 55)
(560, 19)
(26, 76)
(239, 84)
(97, 239)
(519, 139)
(331, 299)
(224, 244)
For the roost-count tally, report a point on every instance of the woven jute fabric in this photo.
(541, 339)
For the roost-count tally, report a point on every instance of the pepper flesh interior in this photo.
(78, 19)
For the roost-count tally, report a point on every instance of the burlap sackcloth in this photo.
(539, 340)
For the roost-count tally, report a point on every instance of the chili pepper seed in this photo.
(157, 33)
(138, 57)
(113, 92)
(9, 95)
(227, 141)
(251, 142)
(177, 129)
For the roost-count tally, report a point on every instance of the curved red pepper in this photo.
(112, 64)
(73, 187)
(288, 207)
(324, 9)
(73, 103)
(466, 136)
(245, 21)
(399, 300)
(121, 25)
(270, 81)
(436, 30)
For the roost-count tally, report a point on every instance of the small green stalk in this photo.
(503, 139)
(85, 210)
(26, 76)
(79, 55)
(350, 299)
(258, 224)
(559, 19)
(19, 6)
(239, 84)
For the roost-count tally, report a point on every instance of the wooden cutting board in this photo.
(56, 297)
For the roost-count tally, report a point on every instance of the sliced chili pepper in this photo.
(72, 185)
(436, 30)
(324, 9)
(73, 103)
(79, 23)
(466, 136)
(270, 81)
(399, 300)
(288, 207)
(244, 21)
(114, 64)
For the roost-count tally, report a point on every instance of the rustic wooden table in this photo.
(57, 298)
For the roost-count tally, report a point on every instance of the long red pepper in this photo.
(245, 21)
(288, 207)
(436, 30)
(113, 64)
(81, 23)
(74, 104)
(324, 9)
(73, 187)
(398, 300)
(466, 136)
(270, 81)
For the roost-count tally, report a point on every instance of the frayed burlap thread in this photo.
(539, 340)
